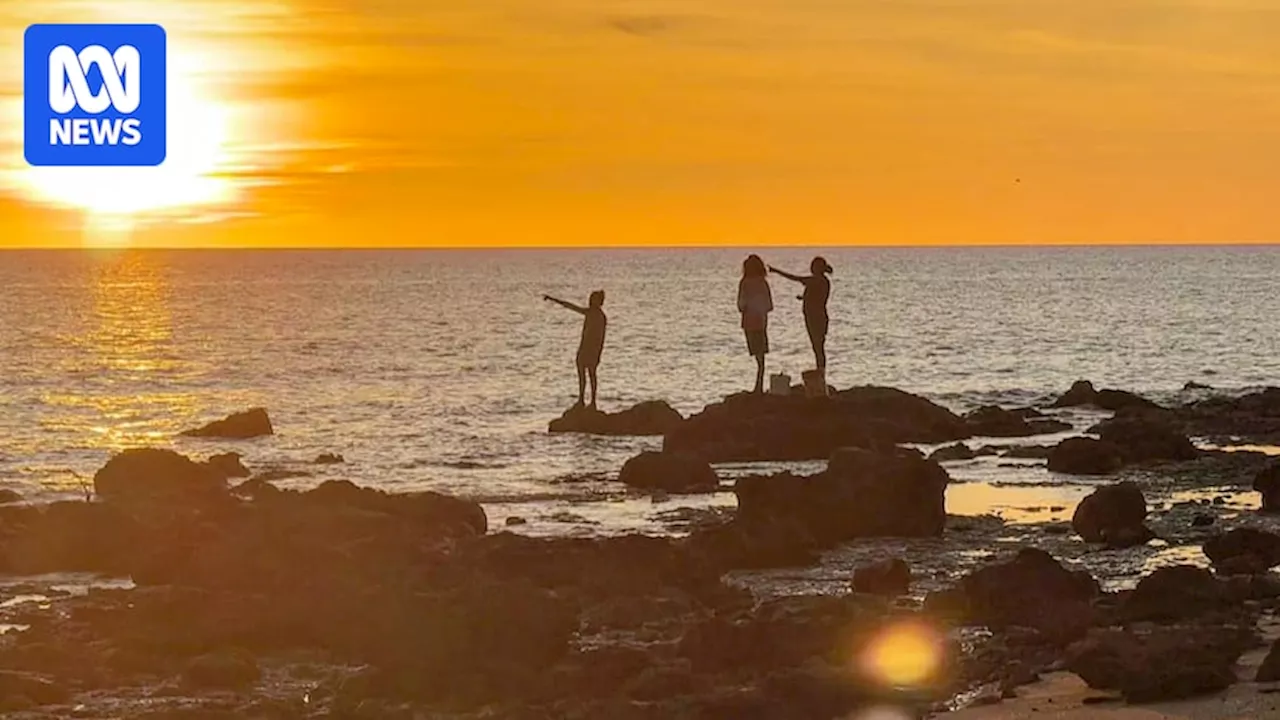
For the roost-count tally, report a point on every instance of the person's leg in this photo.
(582, 384)
(759, 373)
(591, 373)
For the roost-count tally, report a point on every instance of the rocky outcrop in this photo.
(1267, 483)
(863, 493)
(670, 473)
(1083, 393)
(228, 465)
(647, 418)
(1159, 664)
(240, 426)
(958, 452)
(1085, 456)
(1143, 439)
(993, 421)
(1114, 515)
(890, 577)
(1255, 416)
(1269, 670)
(1243, 551)
(1033, 590)
(1174, 594)
(746, 428)
(153, 475)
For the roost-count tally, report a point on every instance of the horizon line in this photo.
(454, 248)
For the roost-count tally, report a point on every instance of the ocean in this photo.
(441, 369)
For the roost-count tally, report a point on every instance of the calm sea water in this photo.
(441, 369)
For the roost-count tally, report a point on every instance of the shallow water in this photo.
(441, 369)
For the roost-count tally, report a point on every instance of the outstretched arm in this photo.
(565, 304)
(787, 275)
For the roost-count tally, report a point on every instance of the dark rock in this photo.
(1171, 594)
(952, 453)
(1085, 456)
(1267, 482)
(329, 459)
(1192, 385)
(240, 426)
(1165, 664)
(224, 670)
(1029, 452)
(1114, 515)
(8, 496)
(516, 520)
(228, 465)
(669, 473)
(151, 475)
(862, 493)
(34, 688)
(1269, 671)
(1082, 393)
(1253, 416)
(654, 417)
(1243, 551)
(1202, 520)
(1145, 439)
(763, 542)
(1032, 590)
(749, 427)
(890, 577)
(993, 421)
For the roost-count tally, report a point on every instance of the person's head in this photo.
(753, 266)
(597, 299)
(819, 266)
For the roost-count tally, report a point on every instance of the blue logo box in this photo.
(94, 95)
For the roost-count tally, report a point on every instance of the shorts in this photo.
(757, 342)
(589, 357)
(817, 326)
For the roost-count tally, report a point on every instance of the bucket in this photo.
(780, 384)
(815, 383)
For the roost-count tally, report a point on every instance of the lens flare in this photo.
(904, 655)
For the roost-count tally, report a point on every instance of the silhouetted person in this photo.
(817, 288)
(755, 302)
(592, 344)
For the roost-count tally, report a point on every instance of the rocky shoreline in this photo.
(820, 596)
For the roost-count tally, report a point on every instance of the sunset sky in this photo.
(666, 122)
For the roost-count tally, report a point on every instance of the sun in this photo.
(198, 124)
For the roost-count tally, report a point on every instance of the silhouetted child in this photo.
(817, 288)
(592, 344)
(755, 302)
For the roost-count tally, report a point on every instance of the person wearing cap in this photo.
(817, 288)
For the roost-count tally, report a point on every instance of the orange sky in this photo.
(600, 122)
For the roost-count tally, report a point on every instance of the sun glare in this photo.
(198, 125)
(906, 654)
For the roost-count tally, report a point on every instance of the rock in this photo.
(8, 496)
(1165, 664)
(1085, 456)
(654, 417)
(1267, 482)
(1114, 515)
(669, 473)
(1253, 417)
(34, 688)
(1083, 393)
(1269, 671)
(515, 520)
(1029, 452)
(1146, 439)
(329, 459)
(890, 577)
(240, 426)
(1192, 385)
(1172, 594)
(1243, 551)
(752, 428)
(1032, 590)
(993, 421)
(225, 671)
(228, 465)
(862, 493)
(152, 475)
(953, 453)
(1203, 520)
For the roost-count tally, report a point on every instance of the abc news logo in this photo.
(94, 95)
